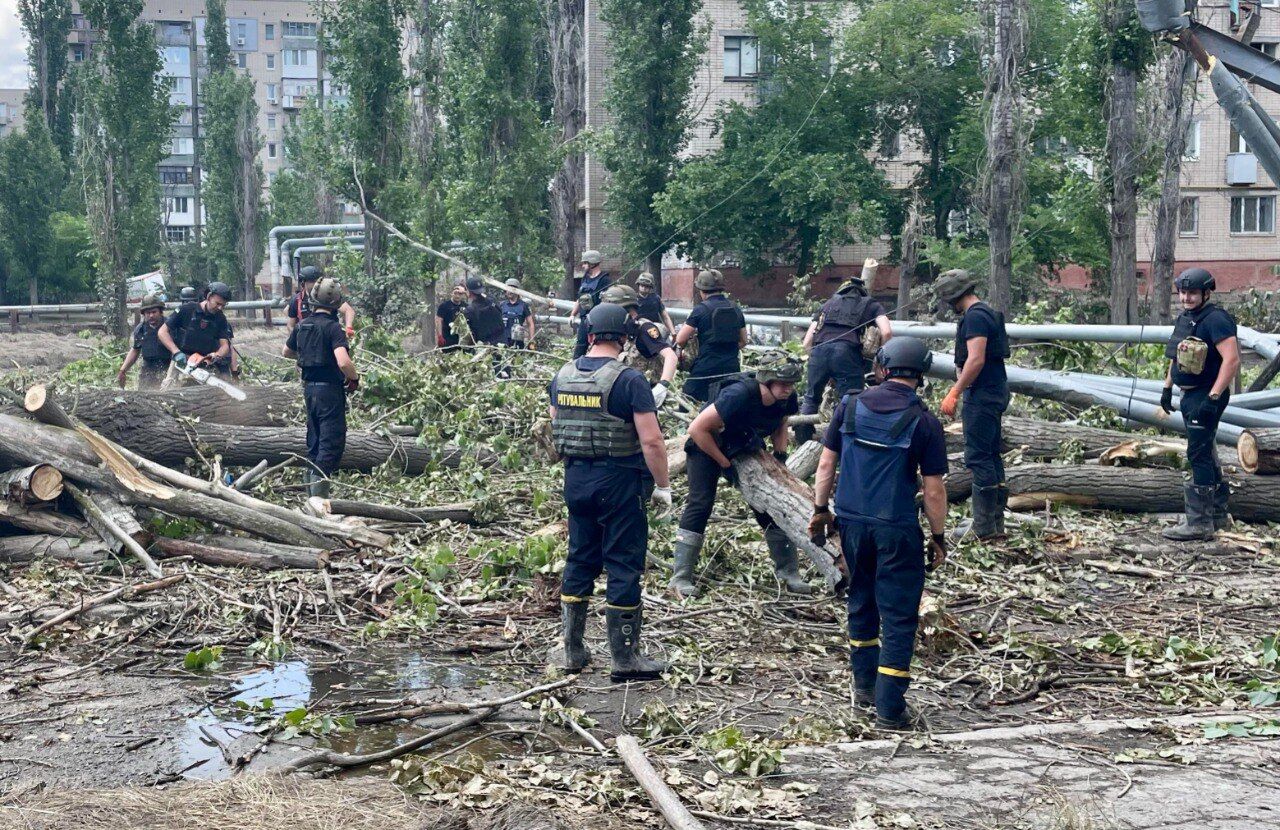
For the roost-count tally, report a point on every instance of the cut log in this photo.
(278, 404)
(22, 549)
(1259, 451)
(43, 521)
(28, 485)
(113, 520)
(244, 543)
(803, 463)
(770, 488)
(464, 512)
(266, 560)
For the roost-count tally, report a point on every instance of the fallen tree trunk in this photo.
(770, 488)
(1259, 451)
(464, 512)
(22, 549)
(277, 404)
(112, 520)
(266, 560)
(803, 463)
(244, 543)
(43, 521)
(27, 485)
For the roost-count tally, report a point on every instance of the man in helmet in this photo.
(651, 306)
(300, 303)
(645, 340)
(743, 415)
(594, 281)
(320, 344)
(1204, 356)
(446, 312)
(605, 427)
(188, 295)
(485, 322)
(878, 442)
(517, 318)
(982, 345)
(203, 332)
(835, 343)
(155, 357)
(722, 332)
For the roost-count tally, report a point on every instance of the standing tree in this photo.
(1004, 139)
(1176, 112)
(31, 170)
(564, 27)
(47, 24)
(654, 52)
(124, 120)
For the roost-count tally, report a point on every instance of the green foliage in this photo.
(32, 172)
(739, 754)
(270, 649)
(206, 659)
(1244, 729)
(47, 24)
(1258, 310)
(98, 369)
(215, 37)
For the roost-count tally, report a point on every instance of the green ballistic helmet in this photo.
(620, 294)
(591, 257)
(780, 366)
(709, 280)
(645, 279)
(327, 293)
(954, 284)
(151, 301)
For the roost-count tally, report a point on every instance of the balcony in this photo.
(295, 102)
(1242, 169)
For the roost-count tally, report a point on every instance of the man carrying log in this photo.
(155, 357)
(742, 416)
(320, 345)
(880, 440)
(1204, 357)
(604, 425)
(199, 334)
(982, 345)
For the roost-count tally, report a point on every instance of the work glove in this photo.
(179, 358)
(1166, 399)
(440, 341)
(120, 378)
(661, 497)
(352, 384)
(937, 551)
(730, 474)
(659, 394)
(950, 402)
(351, 332)
(822, 525)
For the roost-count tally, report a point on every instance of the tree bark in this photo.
(1260, 451)
(1177, 113)
(43, 521)
(28, 485)
(21, 549)
(910, 258)
(565, 20)
(803, 462)
(1269, 372)
(1003, 180)
(662, 796)
(271, 405)
(1122, 161)
(464, 512)
(264, 561)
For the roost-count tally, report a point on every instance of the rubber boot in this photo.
(1002, 504)
(688, 546)
(624, 626)
(1198, 524)
(987, 513)
(1221, 516)
(318, 485)
(892, 711)
(864, 662)
(785, 566)
(573, 623)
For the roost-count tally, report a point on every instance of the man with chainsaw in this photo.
(203, 334)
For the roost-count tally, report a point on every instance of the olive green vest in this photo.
(583, 427)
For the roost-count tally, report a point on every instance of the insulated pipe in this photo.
(316, 249)
(289, 245)
(273, 244)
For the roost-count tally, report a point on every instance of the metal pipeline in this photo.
(289, 245)
(273, 244)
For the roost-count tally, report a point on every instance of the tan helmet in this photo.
(151, 301)
(709, 280)
(620, 294)
(645, 279)
(513, 283)
(953, 285)
(327, 293)
(591, 257)
(781, 366)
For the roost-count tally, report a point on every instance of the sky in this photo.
(13, 47)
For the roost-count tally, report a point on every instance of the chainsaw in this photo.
(190, 366)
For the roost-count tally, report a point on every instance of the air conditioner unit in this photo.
(1242, 169)
(239, 41)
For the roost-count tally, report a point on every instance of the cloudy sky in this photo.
(13, 47)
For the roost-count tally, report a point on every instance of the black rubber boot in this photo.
(1002, 504)
(785, 565)
(573, 624)
(624, 625)
(892, 711)
(1197, 525)
(688, 546)
(864, 661)
(1221, 515)
(988, 516)
(318, 485)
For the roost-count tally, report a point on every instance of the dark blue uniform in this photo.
(608, 530)
(1211, 324)
(514, 316)
(837, 348)
(314, 340)
(485, 321)
(446, 311)
(883, 436)
(593, 286)
(155, 357)
(986, 400)
(647, 337)
(197, 331)
(299, 306)
(651, 308)
(719, 322)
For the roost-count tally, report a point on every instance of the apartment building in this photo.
(275, 41)
(11, 110)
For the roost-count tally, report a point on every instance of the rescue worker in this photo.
(743, 415)
(594, 281)
(320, 345)
(155, 357)
(1204, 356)
(605, 427)
(485, 322)
(644, 338)
(879, 440)
(980, 351)
(300, 303)
(446, 312)
(517, 318)
(835, 344)
(204, 333)
(187, 295)
(651, 305)
(722, 333)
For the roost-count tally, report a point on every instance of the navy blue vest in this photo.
(877, 484)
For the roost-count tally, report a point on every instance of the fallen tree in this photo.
(276, 404)
(1259, 451)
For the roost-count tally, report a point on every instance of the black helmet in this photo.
(954, 284)
(475, 285)
(620, 294)
(221, 289)
(608, 321)
(310, 274)
(187, 295)
(904, 357)
(780, 366)
(1195, 279)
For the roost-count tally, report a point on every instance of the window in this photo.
(269, 31)
(177, 85)
(271, 122)
(1189, 216)
(741, 57)
(77, 53)
(893, 146)
(242, 59)
(176, 234)
(177, 54)
(1253, 214)
(271, 150)
(271, 93)
(298, 57)
(242, 30)
(294, 29)
(1191, 149)
(1238, 144)
(178, 204)
(182, 146)
(1268, 49)
(271, 61)
(175, 175)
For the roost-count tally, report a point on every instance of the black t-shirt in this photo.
(701, 318)
(1210, 323)
(928, 449)
(485, 321)
(747, 420)
(314, 339)
(981, 320)
(299, 306)
(148, 344)
(647, 336)
(446, 311)
(630, 393)
(828, 332)
(651, 307)
(198, 331)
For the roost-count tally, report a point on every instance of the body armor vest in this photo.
(846, 310)
(583, 427)
(997, 347)
(876, 483)
(1190, 351)
(725, 323)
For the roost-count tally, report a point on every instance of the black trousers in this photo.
(704, 474)
(608, 531)
(1201, 416)
(983, 408)
(838, 360)
(326, 424)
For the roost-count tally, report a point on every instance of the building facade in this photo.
(12, 104)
